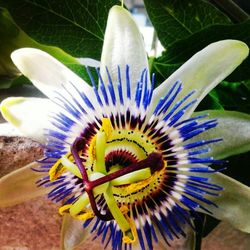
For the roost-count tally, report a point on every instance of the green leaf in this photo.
(210, 101)
(12, 38)
(242, 174)
(77, 27)
(229, 96)
(175, 20)
(234, 96)
(181, 51)
(7, 82)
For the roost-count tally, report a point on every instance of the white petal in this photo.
(205, 70)
(233, 202)
(20, 186)
(28, 115)
(7, 129)
(123, 45)
(90, 62)
(46, 73)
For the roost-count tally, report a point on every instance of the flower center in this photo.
(115, 164)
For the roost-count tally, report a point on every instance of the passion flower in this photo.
(127, 159)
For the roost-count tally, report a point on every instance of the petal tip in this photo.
(5, 108)
(238, 45)
(244, 49)
(117, 8)
(21, 57)
(118, 13)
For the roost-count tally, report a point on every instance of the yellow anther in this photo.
(134, 187)
(82, 215)
(124, 209)
(106, 127)
(56, 170)
(64, 209)
(61, 166)
(85, 215)
(130, 236)
(92, 147)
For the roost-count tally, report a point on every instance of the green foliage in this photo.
(177, 20)
(76, 27)
(179, 52)
(229, 96)
(186, 27)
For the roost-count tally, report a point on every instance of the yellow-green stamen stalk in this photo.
(119, 217)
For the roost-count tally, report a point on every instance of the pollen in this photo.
(106, 127)
(134, 187)
(130, 236)
(56, 170)
(92, 154)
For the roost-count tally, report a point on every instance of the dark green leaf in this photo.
(175, 20)
(211, 101)
(234, 96)
(229, 96)
(6, 82)
(238, 168)
(176, 54)
(77, 27)
(12, 38)
(247, 84)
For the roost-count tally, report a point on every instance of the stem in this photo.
(232, 10)
(76, 146)
(154, 160)
(199, 224)
(153, 49)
